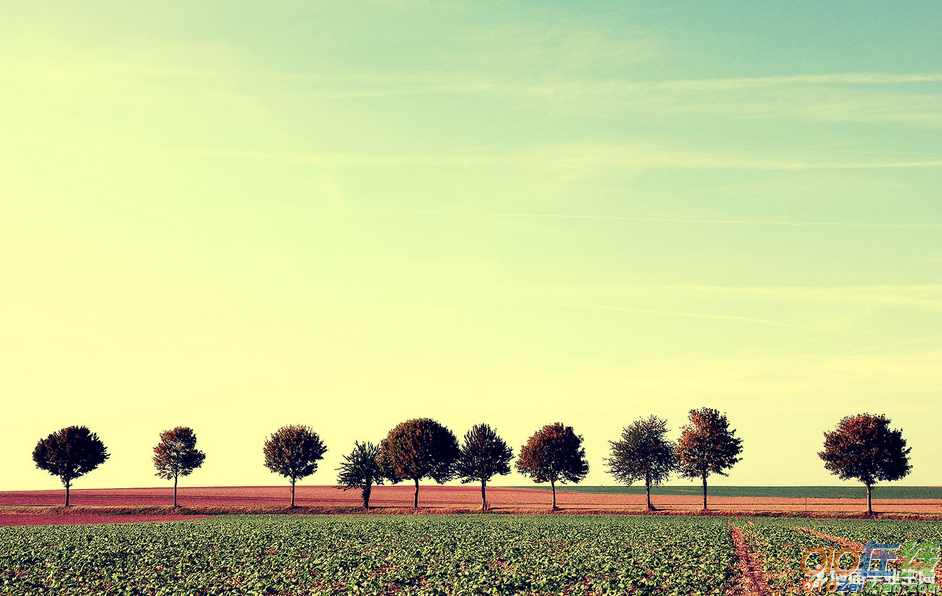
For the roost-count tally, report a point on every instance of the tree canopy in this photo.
(176, 455)
(70, 453)
(707, 446)
(483, 454)
(417, 449)
(361, 469)
(643, 453)
(553, 454)
(293, 452)
(865, 448)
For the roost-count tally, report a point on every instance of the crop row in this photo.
(388, 555)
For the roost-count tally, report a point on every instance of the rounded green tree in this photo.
(293, 452)
(483, 454)
(553, 454)
(70, 453)
(643, 453)
(361, 469)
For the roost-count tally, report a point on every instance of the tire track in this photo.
(752, 579)
(835, 539)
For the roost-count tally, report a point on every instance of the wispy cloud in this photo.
(574, 157)
(602, 217)
(789, 374)
(853, 78)
(632, 157)
(918, 297)
(366, 86)
(894, 344)
(842, 97)
(450, 83)
(691, 315)
(571, 156)
(865, 97)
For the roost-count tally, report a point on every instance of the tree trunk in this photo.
(553, 485)
(174, 492)
(704, 491)
(292, 492)
(415, 499)
(366, 496)
(869, 501)
(647, 490)
(67, 484)
(483, 496)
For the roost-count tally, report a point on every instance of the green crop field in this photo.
(415, 554)
(372, 555)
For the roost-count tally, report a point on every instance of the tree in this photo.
(361, 469)
(643, 453)
(483, 454)
(70, 453)
(864, 447)
(176, 455)
(707, 446)
(293, 452)
(419, 448)
(553, 454)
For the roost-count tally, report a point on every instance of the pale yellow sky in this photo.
(235, 217)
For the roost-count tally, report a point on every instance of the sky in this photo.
(235, 216)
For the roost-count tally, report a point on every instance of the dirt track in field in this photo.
(751, 578)
(835, 539)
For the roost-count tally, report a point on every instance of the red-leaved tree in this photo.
(864, 447)
(417, 449)
(707, 446)
(176, 455)
(293, 452)
(69, 453)
(553, 454)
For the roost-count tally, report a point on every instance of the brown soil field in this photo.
(46, 519)
(152, 502)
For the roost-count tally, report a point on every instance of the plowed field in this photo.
(449, 499)
(32, 519)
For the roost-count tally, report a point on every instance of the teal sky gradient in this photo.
(234, 216)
